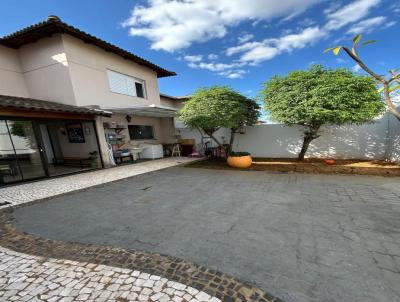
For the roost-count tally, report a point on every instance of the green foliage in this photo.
(239, 154)
(218, 106)
(322, 96)
(22, 129)
(93, 155)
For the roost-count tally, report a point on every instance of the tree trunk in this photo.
(309, 135)
(233, 132)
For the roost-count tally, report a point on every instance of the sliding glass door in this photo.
(20, 157)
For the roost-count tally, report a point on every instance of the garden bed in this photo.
(311, 165)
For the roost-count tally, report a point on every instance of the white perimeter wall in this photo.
(394, 138)
(378, 140)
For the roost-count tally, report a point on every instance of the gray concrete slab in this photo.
(299, 237)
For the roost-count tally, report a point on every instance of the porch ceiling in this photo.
(151, 110)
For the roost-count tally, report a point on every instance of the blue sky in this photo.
(239, 43)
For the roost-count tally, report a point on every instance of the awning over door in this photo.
(28, 107)
(150, 110)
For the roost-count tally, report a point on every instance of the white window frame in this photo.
(129, 91)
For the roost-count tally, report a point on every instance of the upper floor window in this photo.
(121, 83)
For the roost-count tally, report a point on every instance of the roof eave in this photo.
(54, 26)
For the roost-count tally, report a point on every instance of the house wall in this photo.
(45, 69)
(12, 80)
(163, 128)
(64, 69)
(167, 102)
(78, 149)
(88, 66)
(368, 141)
(168, 130)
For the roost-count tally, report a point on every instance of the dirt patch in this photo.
(310, 165)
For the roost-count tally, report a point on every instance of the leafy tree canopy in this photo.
(218, 106)
(320, 96)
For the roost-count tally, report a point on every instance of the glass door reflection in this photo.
(20, 157)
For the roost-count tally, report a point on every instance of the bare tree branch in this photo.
(386, 83)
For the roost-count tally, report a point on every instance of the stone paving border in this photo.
(211, 282)
(31, 278)
(48, 188)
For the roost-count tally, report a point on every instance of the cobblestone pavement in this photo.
(37, 269)
(302, 238)
(29, 192)
(30, 278)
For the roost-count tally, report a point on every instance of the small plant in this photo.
(239, 154)
(93, 156)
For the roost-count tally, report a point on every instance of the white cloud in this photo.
(300, 40)
(175, 24)
(233, 74)
(171, 25)
(337, 16)
(216, 67)
(259, 53)
(366, 26)
(231, 71)
(356, 68)
(245, 37)
(212, 56)
(194, 58)
(395, 7)
(349, 13)
(307, 22)
(256, 52)
(334, 5)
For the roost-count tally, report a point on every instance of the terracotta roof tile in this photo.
(14, 102)
(54, 25)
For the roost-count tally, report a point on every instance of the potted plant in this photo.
(93, 156)
(239, 160)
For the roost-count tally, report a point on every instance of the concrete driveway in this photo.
(299, 237)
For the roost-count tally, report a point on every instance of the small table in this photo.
(119, 158)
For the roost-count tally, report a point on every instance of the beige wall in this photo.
(64, 69)
(163, 128)
(88, 66)
(12, 80)
(177, 104)
(79, 149)
(45, 68)
(168, 130)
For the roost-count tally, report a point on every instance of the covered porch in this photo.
(40, 139)
(140, 132)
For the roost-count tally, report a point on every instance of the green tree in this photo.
(210, 109)
(318, 96)
(390, 84)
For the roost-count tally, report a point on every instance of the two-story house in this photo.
(65, 93)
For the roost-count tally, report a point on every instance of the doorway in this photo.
(20, 153)
(67, 146)
(33, 149)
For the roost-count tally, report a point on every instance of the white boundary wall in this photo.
(394, 139)
(378, 140)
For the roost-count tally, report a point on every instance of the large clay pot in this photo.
(240, 161)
